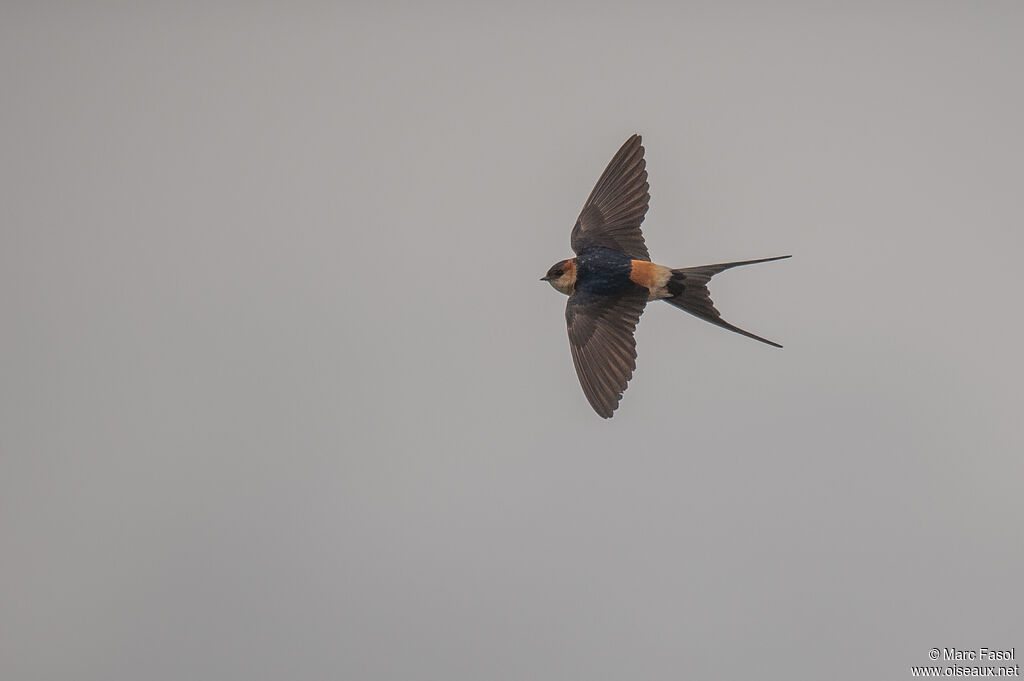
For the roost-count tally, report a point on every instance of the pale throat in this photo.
(565, 283)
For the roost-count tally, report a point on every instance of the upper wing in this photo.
(612, 215)
(603, 349)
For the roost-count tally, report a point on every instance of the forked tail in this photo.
(688, 289)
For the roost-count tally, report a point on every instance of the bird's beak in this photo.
(545, 278)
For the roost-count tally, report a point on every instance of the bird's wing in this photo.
(603, 349)
(612, 215)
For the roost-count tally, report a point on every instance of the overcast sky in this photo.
(281, 395)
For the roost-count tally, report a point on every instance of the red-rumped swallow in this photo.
(612, 277)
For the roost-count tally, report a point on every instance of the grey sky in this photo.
(282, 397)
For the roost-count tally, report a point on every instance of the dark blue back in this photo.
(603, 271)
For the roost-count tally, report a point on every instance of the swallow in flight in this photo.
(612, 277)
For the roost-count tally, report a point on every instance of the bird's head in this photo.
(562, 276)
